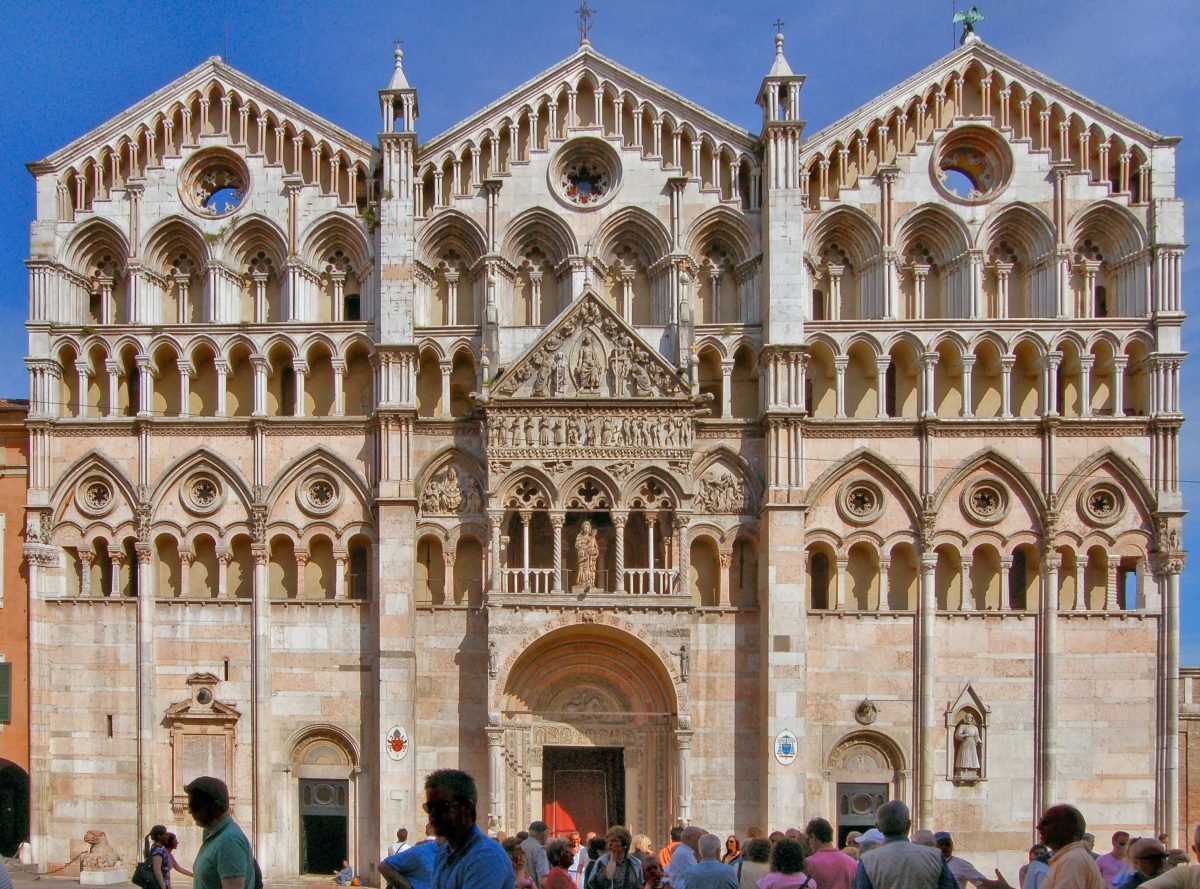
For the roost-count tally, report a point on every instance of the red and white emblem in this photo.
(396, 742)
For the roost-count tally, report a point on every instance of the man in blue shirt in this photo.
(412, 868)
(469, 859)
(224, 860)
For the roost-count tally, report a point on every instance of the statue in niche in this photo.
(587, 554)
(492, 658)
(446, 494)
(560, 373)
(589, 370)
(685, 661)
(966, 748)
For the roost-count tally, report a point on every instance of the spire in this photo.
(780, 67)
(398, 81)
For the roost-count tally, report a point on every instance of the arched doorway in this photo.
(866, 769)
(324, 767)
(14, 807)
(590, 735)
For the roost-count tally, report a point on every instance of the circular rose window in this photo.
(202, 494)
(972, 164)
(586, 173)
(318, 494)
(95, 497)
(1102, 504)
(214, 183)
(860, 501)
(985, 502)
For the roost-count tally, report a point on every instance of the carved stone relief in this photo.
(451, 492)
(723, 492)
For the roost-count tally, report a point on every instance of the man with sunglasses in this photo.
(469, 859)
(1113, 865)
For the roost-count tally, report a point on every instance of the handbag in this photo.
(143, 875)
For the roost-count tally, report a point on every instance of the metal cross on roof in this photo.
(585, 14)
(779, 26)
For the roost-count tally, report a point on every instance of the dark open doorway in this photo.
(857, 804)
(583, 788)
(14, 807)
(324, 825)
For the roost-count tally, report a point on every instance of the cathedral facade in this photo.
(650, 469)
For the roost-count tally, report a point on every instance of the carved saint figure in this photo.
(685, 661)
(590, 369)
(492, 668)
(966, 751)
(587, 554)
(639, 379)
(560, 373)
(541, 378)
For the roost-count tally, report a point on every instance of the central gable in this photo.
(604, 76)
(590, 352)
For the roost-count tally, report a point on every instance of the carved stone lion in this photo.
(100, 855)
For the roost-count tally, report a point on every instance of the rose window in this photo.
(972, 164)
(202, 494)
(985, 502)
(585, 173)
(585, 183)
(318, 494)
(1102, 504)
(97, 496)
(321, 493)
(214, 183)
(860, 502)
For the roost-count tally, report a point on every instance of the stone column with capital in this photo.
(924, 665)
(619, 521)
(557, 520)
(683, 779)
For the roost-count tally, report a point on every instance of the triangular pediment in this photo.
(981, 57)
(603, 74)
(212, 74)
(590, 352)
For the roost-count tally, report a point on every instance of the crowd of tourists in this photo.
(888, 856)
(457, 854)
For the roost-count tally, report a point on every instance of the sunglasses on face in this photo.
(438, 806)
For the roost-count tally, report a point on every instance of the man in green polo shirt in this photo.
(224, 860)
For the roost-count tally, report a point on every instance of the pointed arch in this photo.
(447, 456)
(94, 236)
(93, 461)
(451, 229)
(855, 232)
(202, 458)
(1023, 223)
(336, 230)
(1118, 465)
(724, 226)
(316, 457)
(637, 225)
(868, 458)
(171, 237)
(538, 227)
(1002, 466)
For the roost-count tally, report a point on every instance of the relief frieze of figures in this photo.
(588, 433)
(723, 493)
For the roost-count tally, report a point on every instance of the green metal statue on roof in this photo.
(968, 18)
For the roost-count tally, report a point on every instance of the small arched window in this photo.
(1100, 309)
(819, 312)
(352, 307)
(820, 580)
(287, 393)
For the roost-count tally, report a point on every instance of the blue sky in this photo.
(71, 66)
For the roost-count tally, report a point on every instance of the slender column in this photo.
(259, 364)
(726, 386)
(1046, 690)
(1006, 564)
(339, 393)
(186, 559)
(1169, 731)
(651, 519)
(968, 365)
(683, 561)
(495, 741)
(526, 518)
(967, 602)
(494, 521)
(885, 567)
(1081, 602)
(446, 367)
(117, 560)
(881, 369)
(86, 558)
(1118, 384)
(1085, 384)
(842, 564)
(557, 520)
(1111, 575)
(929, 362)
(924, 683)
(81, 394)
(1006, 368)
(145, 405)
(619, 520)
(1050, 405)
(224, 557)
(299, 372)
(725, 559)
(683, 745)
(222, 368)
(113, 368)
(301, 565)
(840, 363)
(340, 558)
